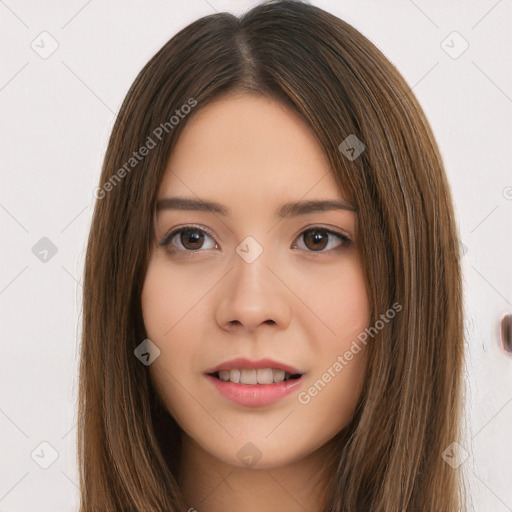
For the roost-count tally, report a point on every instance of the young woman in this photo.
(272, 314)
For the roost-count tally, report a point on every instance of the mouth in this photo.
(251, 383)
(252, 376)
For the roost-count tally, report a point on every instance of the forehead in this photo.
(245, 147)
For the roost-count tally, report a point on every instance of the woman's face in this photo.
(249, 283)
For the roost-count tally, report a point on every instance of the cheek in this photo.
(340, 369)
(166, 298)
(171, 322)
(345, 303)
(333, 396)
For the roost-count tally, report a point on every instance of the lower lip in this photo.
(254, 395)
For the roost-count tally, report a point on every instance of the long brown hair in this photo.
(389, 457)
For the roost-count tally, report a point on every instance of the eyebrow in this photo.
(286, 210)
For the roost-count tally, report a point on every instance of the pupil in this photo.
(193, 235)
(315, 236)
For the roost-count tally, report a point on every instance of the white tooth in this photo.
(224, 375)
(264, 376)
(278, 375)
(234, 376)
(248, 376)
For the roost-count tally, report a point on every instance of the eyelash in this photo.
(345, 241)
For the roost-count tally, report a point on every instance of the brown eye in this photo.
(188, 239)
(192, 239)
(318, 238)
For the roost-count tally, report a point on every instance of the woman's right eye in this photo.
(189, 239)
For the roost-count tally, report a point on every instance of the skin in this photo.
(252, 154)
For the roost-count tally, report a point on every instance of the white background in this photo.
(56, 116)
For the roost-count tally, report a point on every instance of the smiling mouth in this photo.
(264, 376)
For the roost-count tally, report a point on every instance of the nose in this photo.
(252, 295)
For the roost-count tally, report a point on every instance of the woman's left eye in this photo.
(316, 239)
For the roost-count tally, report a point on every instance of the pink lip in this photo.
(241, 363)
(257, 395)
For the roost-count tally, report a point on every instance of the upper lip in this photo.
(241, 362)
